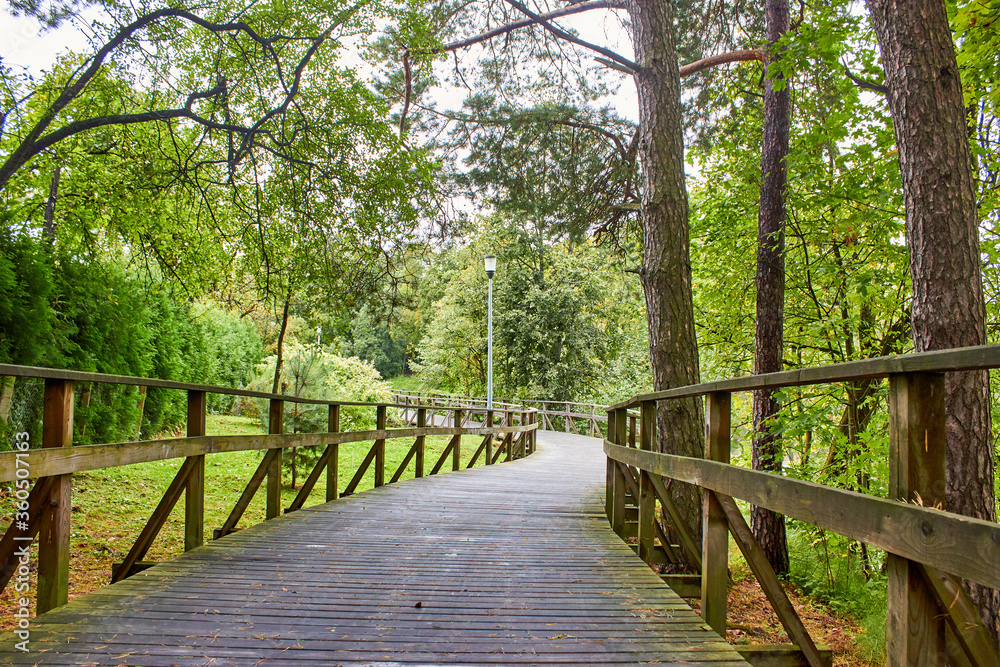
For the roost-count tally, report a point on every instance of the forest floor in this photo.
(104, 530)
(751, 620)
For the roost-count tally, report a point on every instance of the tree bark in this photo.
(925, 100)
(49, 226)
(666, 267)
(281, 342)
(766, 453)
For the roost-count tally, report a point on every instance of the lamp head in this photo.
(490, 262)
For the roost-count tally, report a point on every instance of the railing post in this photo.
(916, 627)
(456, 452)
(489, 440)
(333, 462)
(275, 426)
(380, 447)
(647, 497)
(568, 418)
(508, 438)
(194, 498)
(618, 478)
(631, 431)
(421, 423)
(54, 525)
(715, 527)
(532, 439)
(609, 483)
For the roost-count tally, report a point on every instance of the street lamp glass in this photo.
(490, 261)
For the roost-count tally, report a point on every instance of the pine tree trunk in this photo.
(769, 527)
(666, 267)
(925, 100)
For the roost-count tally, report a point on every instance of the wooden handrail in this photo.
(104, 378)
(967, 547)
(52, 465)
(981, 357)
(928, 549)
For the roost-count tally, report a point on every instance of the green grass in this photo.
(405, 383)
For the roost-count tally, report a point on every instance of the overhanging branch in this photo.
(562, 34)
(524, 23)
(721, 59)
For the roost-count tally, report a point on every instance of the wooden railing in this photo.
(45, 507)
(580, 418)
(931, 619)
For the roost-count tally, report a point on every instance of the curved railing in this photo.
(44, 508)
(569, 416)
(932, 620)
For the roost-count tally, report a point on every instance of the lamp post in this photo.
(490, 262)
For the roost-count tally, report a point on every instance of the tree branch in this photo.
(864, 84)
(562, 34)
(721, 59)
(36, 140)
(524, 23)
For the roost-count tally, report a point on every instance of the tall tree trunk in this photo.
(49, 225)
(281, 342)
(666, 266)
(925, 100)
(769, 527)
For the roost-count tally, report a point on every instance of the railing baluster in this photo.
(194, 498)
(456, 451)
(489, 441)
(618, 479)
(275, 426)
(647, 498)
(421, 423)
(54, 526)
(380, 447)
(715, 526)
(333, 462)
(915, 632)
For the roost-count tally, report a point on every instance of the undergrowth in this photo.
(830, 567)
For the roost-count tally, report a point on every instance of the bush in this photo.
(312, 371)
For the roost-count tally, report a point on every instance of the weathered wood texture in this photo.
(969, 548)
(509, 564)
(50, 462)
(54, 520)
(962, 359)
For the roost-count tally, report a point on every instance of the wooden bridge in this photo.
(533, 561)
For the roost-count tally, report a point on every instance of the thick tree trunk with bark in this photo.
(925, 99)
(769, 527)
(666, 267)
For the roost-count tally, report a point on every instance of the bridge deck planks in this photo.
(513, 564)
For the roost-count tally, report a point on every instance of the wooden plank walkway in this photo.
(513, 564)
